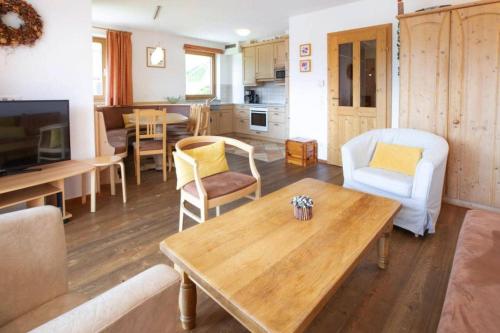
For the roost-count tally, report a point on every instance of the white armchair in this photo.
(419, 195)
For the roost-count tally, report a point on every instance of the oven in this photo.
(259, 119)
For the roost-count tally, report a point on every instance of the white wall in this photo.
(237, 79)
(155, 84)
(308, 91)
(58, 66)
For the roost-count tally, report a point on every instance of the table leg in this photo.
(383, 250)
(112, 179)
(92, 189)
(187, 302)
(84, 189)
(124, 187)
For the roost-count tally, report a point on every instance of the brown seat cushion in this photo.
(150, 145)
(118, 139)
(472, 300)
(221, 184)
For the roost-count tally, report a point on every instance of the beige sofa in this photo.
(472, 302)
(34, 288)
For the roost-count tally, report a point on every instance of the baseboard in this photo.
(257, 137)
(470, 205)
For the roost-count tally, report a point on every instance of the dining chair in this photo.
(192, 129)
(204, 125)
(218, 189)
(150, 138)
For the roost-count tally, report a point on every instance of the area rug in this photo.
(264, 151)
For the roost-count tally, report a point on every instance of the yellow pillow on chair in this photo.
(396, 158)
(211, 160)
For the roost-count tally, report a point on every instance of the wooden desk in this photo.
(34, 187)
(272, 272)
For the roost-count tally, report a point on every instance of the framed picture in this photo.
(305, 50)
(305, 66)
(150, 63)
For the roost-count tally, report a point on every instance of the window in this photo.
(200, 75)
(98, 68)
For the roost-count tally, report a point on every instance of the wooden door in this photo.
(249, 69)
(424, 61)
(474, 124)
(265, 62)
(280, 54)
(359, 73)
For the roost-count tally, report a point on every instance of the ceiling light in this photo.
(243, 32)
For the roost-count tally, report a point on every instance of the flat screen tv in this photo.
(33, 133)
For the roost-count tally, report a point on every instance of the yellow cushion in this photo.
(396, 158)
(211, 160)
(129, 120)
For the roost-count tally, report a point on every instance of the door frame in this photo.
(388, 86)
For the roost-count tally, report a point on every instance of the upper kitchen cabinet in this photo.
(249, 70)
(265, 62)
(281, 54)
(260, 60)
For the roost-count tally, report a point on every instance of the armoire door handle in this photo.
(456, 122)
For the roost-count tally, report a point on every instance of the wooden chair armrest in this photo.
(250, 150)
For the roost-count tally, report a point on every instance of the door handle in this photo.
(456, 122)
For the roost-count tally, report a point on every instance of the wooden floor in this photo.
(120, 241)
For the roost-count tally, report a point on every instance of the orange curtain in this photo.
(119, 80)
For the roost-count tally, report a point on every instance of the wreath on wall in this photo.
(28, 32)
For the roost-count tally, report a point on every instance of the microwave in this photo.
(280, 74)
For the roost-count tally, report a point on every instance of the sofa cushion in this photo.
(113, 116)
(221, 184)
(388, 181)
(397, 158)
(118, 139)
(472, 300)
(44, 313)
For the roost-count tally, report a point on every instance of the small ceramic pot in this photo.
(303, 214)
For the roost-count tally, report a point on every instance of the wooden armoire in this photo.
(450, 85)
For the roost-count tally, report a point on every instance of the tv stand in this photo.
(46, 186)
(10, 172)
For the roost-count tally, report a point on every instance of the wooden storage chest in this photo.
(300, 151)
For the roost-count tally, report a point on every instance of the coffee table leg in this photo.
(383, 250)
(187, 302)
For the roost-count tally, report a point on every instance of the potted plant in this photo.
(302, 207)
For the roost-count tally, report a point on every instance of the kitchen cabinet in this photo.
(265, 62)
(277, 123)
(249, 69)
(281, 54)
(225, 122)
(221, 120)
(261, 59)
(277, 131)
(449, 85)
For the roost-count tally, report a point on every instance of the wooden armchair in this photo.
(219, 189)
(150, 138)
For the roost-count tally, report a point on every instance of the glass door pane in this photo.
(345, 74)
(368, 79)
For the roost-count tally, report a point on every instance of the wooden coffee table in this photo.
(272, 272)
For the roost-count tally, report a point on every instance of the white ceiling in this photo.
(214, 20)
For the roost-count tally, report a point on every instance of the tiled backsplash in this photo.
(271, 93)
(226, 92)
